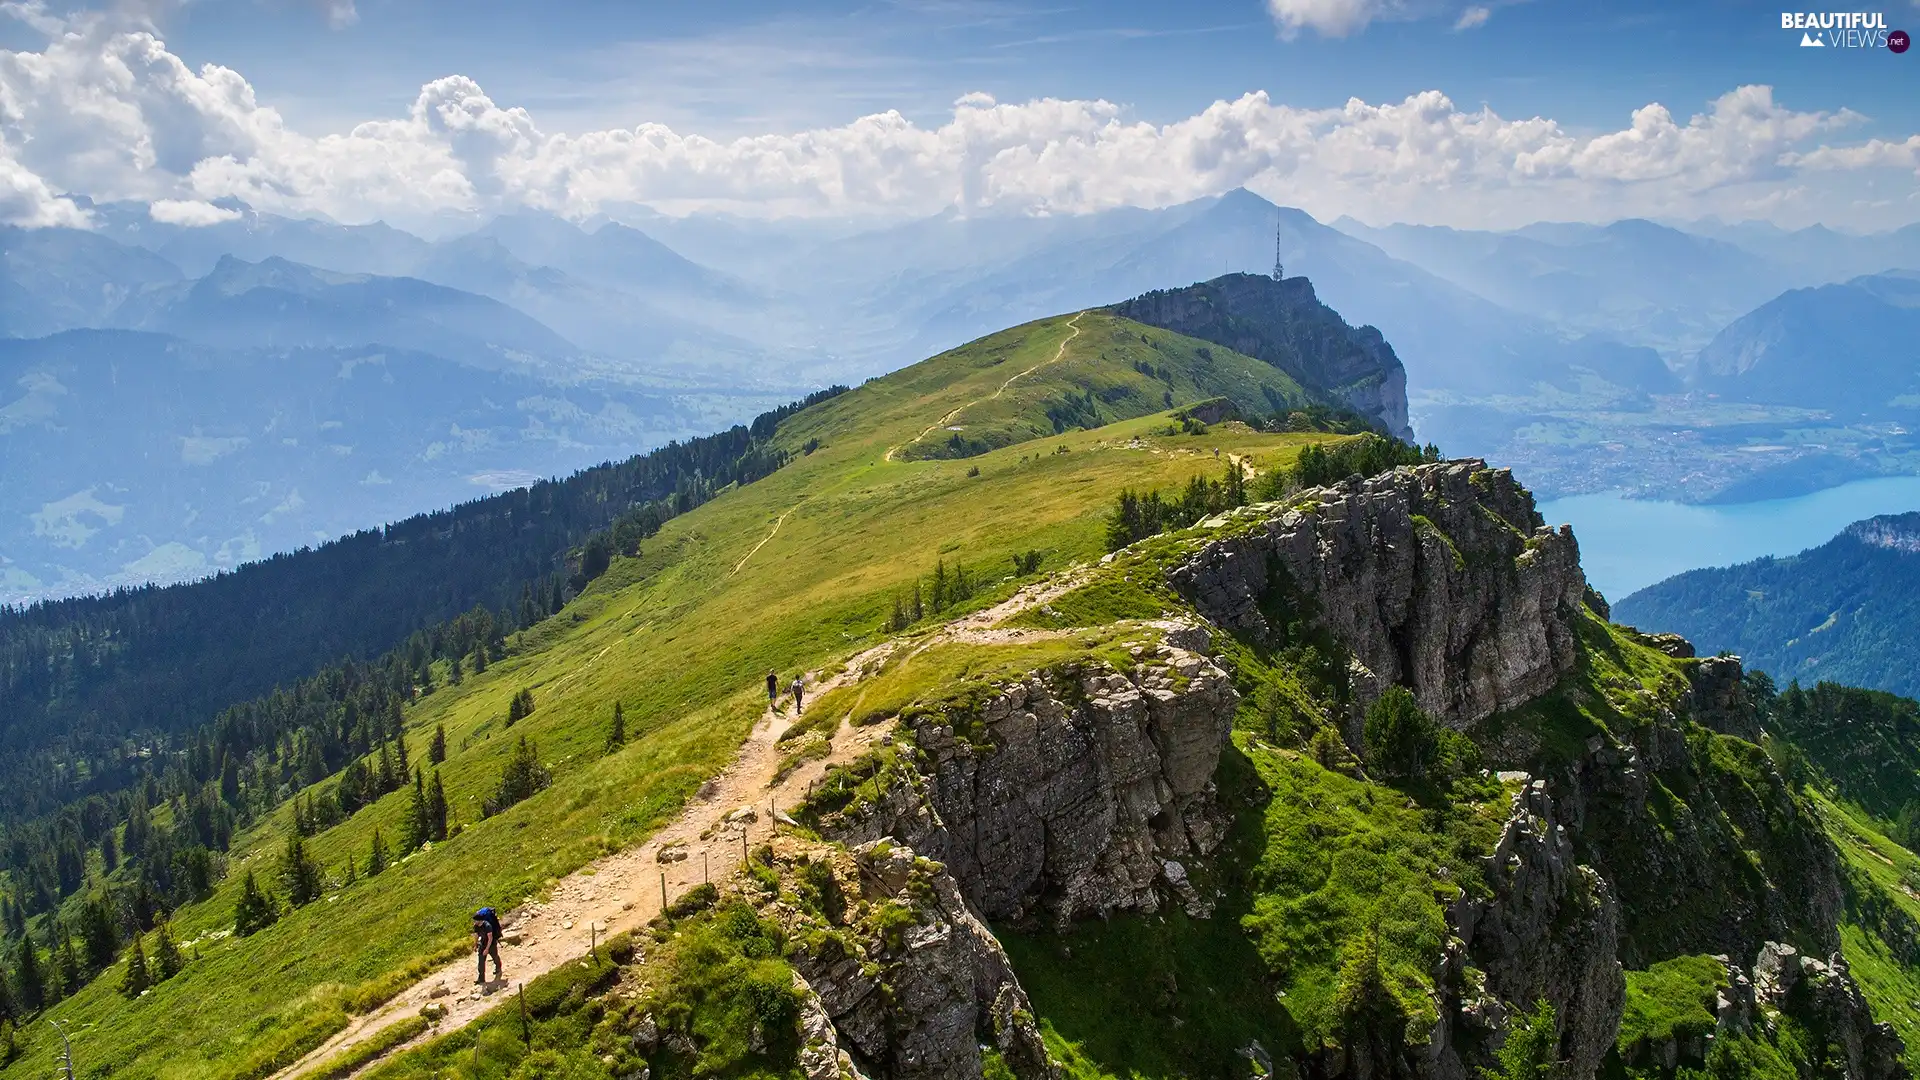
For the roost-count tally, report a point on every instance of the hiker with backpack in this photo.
(773, 689)
(799, 685)
(486, 940)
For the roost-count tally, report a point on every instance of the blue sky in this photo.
(485, 104)
(742, 67)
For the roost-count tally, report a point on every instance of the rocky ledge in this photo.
(1071, 793)
(1441, 578)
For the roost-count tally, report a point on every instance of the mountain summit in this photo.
(1283, 323)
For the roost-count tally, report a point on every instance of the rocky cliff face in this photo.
(915, 996)
(1441, 578)
(1076, 796)
(1285, 324)
(1549, 931)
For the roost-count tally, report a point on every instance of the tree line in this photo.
(123, 816)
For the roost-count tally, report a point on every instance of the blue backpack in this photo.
(488, 916)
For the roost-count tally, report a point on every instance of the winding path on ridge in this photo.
(1058, 353)
(619, 892)
(622, 892)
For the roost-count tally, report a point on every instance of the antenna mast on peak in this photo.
(1277, 237)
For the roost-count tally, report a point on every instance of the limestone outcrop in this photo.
(1550, 931)
(1441, 578)
(915, 993)
(1072, 794)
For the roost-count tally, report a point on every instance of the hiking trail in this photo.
(1058, 353)
(622, 891)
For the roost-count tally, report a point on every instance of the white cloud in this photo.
(1329, 18)
(1477, 15)
(340, 13)
(192, 213)
(109, 111)
(1874, 153)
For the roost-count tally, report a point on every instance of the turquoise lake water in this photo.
(1628, 544)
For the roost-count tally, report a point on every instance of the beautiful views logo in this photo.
(1844, 30)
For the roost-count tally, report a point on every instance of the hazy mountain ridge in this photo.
(1843, 611)
(131, 456)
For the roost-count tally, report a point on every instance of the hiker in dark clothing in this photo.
(486, 940)
(773, 689)
(799, 684)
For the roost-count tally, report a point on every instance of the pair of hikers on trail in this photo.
(773, 690)
(486, 942)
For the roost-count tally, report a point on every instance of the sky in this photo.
(1477, 114)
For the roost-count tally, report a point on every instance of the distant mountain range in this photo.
(1853, 348)
(1844, 611)
(681, 324)
(128, 457)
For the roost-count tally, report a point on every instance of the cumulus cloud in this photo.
(340, 13)
(1330, 18)
(191, 213)
(109, 111)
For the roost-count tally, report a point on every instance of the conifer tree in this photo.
(351, 874)
(109, 853)
(167, 960)
(9, 1009)
(135, 980)
(299, 873)
(139, 827)
(436, 809)
(524, 776)
(255, 910)
(617, 731)
(376, 853)
(437, 750)
(419, 822)
(388, 779)
(29, 978)
(99, 932)
(70, 974)
(400, 752)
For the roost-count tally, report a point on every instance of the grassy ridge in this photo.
(680, 636)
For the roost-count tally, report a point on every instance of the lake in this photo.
(1628, 544)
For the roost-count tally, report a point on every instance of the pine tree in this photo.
(9, 1009)
(136, 980)
(255, 910)
(29, 978)
(167, 960)
(524, 776)
(436, 809)
(109, 854)
(400, 752)
(437, 750)
(351, 874)
(419, 821)
(139, 827)
(299, 873)
(387, 778)
(617, 732)
(99, 931)
(376, 854)
(67, 969)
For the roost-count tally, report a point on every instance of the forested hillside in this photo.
(78, 677)
(1842, 612)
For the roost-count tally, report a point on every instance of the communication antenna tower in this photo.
(1278, 237)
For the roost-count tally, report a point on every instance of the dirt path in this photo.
(1061, 351)
(622, 891)
(777, 522)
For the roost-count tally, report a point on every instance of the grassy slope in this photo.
(681, 640)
